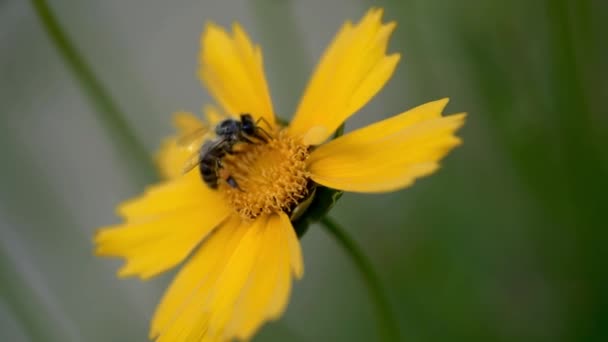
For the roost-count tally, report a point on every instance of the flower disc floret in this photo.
(271, 176)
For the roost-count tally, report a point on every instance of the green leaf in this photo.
(323, 200)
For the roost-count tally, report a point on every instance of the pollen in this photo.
(270, 176)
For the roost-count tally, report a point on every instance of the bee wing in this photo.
(192, 162)
(195, 158)
(192, 141)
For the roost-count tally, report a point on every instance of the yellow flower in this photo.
(239, 242)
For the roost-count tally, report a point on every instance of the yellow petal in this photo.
(192, 300)
(232, 69)
(234, 277)
(239, 279)
(267, 291)
(352, 70)
(155, 238)
(388, 155)
(170, 196)
(172, 157)
(295, 251)
(189, 289)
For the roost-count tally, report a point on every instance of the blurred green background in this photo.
(507, 242)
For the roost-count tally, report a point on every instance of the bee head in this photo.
(248, 124)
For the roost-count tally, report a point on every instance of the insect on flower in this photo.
(234, 228)
(209, 157)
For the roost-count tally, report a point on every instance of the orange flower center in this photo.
(271, 176)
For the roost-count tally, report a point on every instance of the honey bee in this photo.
(228, 133)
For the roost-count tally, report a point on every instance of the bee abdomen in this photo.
(209, 173)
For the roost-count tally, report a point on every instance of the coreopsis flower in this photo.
(233, 225)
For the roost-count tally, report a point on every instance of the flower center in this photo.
(271, 176)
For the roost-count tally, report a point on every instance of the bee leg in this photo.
(261, 119)
(232, 182)
(247, 140)
(233, 152)
(258, 137)
(264, 137)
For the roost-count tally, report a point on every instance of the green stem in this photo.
(386, 321)
(109, 113)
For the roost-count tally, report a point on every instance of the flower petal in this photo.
(295, 251)
(390, 154)
(267, 291)
(170, 196)
(188, 290)
(237, 280)
(232, 69)
(162, 227)
(352, 70)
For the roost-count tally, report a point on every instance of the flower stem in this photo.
(109, 113)
(386, 322)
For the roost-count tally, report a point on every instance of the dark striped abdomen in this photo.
(208, 170)
(211, 161)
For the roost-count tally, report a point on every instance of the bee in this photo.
(228, 133)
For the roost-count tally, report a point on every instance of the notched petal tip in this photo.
(460, 118)
(351, 71)
(99, 236)
(373, 14)
(149, 240)
(390, 154)
(211, 27)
